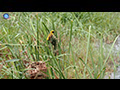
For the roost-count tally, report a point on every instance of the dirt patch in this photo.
(37, 70)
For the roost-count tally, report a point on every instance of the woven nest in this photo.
(37, 70)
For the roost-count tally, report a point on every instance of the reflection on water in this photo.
(115, 52)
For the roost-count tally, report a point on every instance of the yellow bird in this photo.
(50, 35)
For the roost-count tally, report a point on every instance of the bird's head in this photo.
(52, 31)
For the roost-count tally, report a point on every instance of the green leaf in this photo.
(45, 27)
(12, 60)
(3, 48)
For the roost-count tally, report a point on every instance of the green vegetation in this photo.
(23, 38)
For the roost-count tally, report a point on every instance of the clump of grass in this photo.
(23, 39)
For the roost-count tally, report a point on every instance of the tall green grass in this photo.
(23, 38)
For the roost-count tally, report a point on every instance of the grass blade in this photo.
(87, 68)
(88, 44)
(103, 66)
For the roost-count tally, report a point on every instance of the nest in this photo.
(37, 70)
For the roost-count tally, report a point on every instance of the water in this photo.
(116, 53)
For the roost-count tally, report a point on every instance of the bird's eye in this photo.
(52, 31)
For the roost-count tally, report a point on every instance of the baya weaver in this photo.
(50, 35)
(52, 38)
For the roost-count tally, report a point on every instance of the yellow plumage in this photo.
(50, 35)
